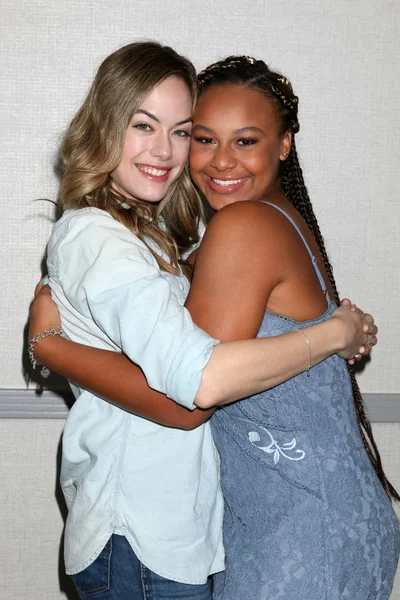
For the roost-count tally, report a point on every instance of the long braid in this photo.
(296, 191)
(245, 70)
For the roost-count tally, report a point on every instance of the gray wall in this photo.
(31, 514)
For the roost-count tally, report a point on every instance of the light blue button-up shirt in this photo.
(120, 473)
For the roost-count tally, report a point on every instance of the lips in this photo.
(226, 186)
(154, 173)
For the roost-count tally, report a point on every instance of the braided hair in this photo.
(253, 73)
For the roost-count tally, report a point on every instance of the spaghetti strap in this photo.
(303, 239)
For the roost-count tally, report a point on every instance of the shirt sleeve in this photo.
(109, 275)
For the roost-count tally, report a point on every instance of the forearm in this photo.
(242, 368)
(114, 377)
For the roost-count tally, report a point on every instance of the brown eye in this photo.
(247, 141)
(203, 140)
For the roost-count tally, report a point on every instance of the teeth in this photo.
(227, 183)
(152, 171)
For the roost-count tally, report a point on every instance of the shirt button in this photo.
(182, 287)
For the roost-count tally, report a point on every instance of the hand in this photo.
(369, 328)
(354, 338)
(43, 312)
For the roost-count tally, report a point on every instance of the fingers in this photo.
(372, 340)
(369, 325)
(365, 349)
(43, 283)
(355, 308)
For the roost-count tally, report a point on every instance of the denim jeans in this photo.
(117, 574)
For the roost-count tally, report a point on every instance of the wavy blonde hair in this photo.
(93, 144)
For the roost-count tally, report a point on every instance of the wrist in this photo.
(337, 334)
(37, 341)
(325, 338)
(42, 349)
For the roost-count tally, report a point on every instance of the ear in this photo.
(285, 145)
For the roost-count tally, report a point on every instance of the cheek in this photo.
(197, 162)
(195, 174)
(265, 165)
(257, 161)
(134, 145)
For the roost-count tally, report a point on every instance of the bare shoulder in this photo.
(247, 219)
(234, 276)
(240, 234)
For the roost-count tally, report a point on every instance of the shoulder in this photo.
(90, 238)
(246, 221)
(75, 217)
(90, 220)
(238, 235)
(92, 228)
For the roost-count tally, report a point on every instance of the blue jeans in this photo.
(117, 574)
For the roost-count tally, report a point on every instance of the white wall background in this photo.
(342, 58)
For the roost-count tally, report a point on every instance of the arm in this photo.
(111, 295)
(110, 375)
(241, 368)
(228, 296)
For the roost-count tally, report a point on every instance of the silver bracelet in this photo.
(44, 371)
(309, 352)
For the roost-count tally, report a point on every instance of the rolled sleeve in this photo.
(110, 276)
(193, 356)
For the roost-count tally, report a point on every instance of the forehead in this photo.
(235, 104)
(171, 94)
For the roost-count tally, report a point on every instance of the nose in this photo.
(162, 147)
(223, 158)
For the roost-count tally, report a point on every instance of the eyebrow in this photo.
(236, 132)
(151, 116)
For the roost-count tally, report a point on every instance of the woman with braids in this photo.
(307, 503)
(143, 498)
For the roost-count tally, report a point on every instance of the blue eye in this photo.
(247, 141)
(143, 127)
(182, 133)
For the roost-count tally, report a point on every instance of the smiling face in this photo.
(236, 145)
(156, 143)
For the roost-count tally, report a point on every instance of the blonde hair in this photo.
(93, 144)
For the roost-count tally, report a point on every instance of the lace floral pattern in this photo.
(306, 518)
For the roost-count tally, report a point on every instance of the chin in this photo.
(220, 202)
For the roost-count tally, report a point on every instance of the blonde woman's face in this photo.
(156, 143)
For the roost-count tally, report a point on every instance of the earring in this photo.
(285, 153)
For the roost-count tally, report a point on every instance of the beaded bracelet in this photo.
(44, 372)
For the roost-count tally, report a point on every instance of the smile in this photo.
(226, 182)
(152, 170)
(154, 174)
(226, 186)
